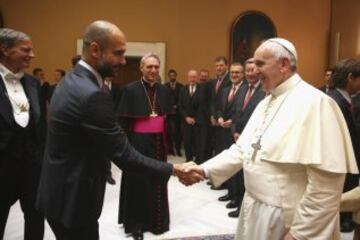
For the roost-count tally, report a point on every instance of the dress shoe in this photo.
(219, 188)
(224, 198)
(234, 214)
(347, 226)
(137, 234)
(232, 204)
(110, 179)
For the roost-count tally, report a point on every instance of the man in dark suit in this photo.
(346, 80)
(328, 82)
(188, 107)
(115, 94)
(251, 95)
(21, 133)
(83, 136)
(174, 119)
(222, 80)
(226, 108)
(203, 117)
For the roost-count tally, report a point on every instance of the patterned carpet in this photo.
(214, 237)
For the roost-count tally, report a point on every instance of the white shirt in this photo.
(16, 94)
(99, 79)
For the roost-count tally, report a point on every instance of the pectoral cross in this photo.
(256, 146)
(153, 114)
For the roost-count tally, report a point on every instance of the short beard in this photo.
(105, 69)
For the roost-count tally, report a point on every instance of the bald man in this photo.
(83, 136)
(189, 101)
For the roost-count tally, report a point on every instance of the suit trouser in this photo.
(351, 181)
(88, 232)
(22, 185)
(204, 149)
(237, 187)
(174, 133)
(190, 140)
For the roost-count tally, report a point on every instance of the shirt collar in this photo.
(99, 79)
(286, 85)
(6, 73)
(256, 84)
(345, 94)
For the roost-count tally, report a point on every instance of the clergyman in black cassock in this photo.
(144, 200)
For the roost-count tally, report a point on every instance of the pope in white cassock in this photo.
(295, 152)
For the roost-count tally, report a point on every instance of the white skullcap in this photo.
(285, 44)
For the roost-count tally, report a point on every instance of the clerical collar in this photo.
(4, 72)
(98, 77)
(286, 85)
(148, 83)
(345, 94)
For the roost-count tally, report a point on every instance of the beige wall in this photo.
(345, 19)
(195, 31)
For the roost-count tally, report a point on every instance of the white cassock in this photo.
(294, 182)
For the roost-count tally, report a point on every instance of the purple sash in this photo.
(149, 125)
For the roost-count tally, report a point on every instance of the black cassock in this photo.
(144, 200)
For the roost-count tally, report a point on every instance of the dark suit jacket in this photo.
(346, 110)
(203, 113)
(175, 94)
(7, 122)
(83, 135)
(115, 94)
(242, 116)
(215, 99)
(227, 109)
(188, 105)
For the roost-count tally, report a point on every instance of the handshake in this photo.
(189, 173)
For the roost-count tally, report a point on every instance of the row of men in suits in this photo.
(213, 114)
(343, 84)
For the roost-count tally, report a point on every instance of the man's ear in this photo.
(350, 77)
(4, 50)
(95, 50)
(284, 65)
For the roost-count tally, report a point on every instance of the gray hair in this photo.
(100, 32)
(148, 55)
(281, 51)
(9, 37)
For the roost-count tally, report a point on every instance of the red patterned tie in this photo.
(232, 94)
(248, 96)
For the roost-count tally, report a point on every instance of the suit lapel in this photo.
(5, 105)
(32, 94)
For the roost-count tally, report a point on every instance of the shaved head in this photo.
(101, 32)
(104, 46)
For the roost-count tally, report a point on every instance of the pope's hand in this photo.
(188, 173)
(288, 236)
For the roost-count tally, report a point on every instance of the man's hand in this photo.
(213, 121)
(288, 236)
(220, 121)
(188, 173)
(236, 136)
(227, 124)
(190, 120)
